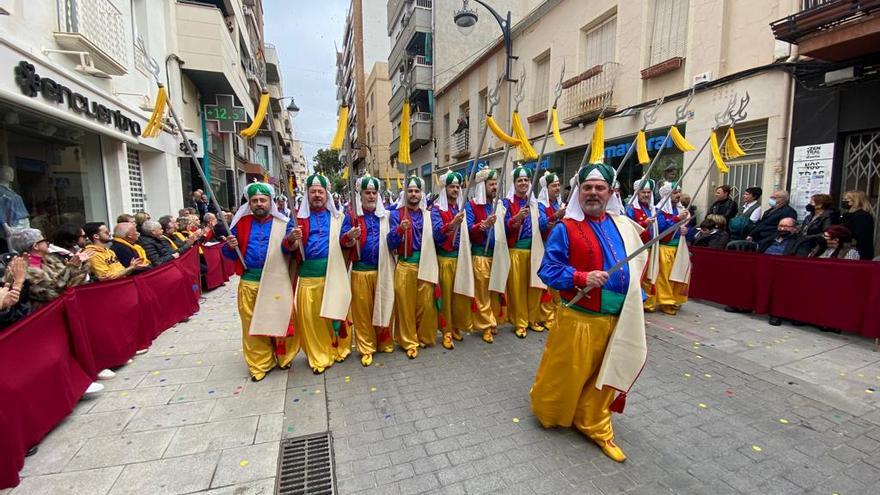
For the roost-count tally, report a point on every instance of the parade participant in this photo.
(323, 294)
(641, 207)
(446, 219)
(372, 272)
(598, 346)
(671, 284)
(615, 204)
(416, 274)
(281, 203)
(480, 220)
(524, 288)
(265, 295)
(551, 212)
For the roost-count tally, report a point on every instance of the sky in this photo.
(303, 32)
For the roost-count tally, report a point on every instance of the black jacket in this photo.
(799, 245)
(861, 224)
(157, 250)
(123, 253)
(766, 226)
(718, 240)
(724, 207)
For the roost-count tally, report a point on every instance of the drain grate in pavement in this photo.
(305, 466)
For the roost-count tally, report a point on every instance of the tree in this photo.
(327, 162)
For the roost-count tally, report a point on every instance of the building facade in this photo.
(378, 127)
(634, 53)
(81, 85)
(362, 47)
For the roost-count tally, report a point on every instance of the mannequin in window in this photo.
(13, 213)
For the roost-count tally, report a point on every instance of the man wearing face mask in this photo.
(599, 345)
(767, 225)
(784, 243)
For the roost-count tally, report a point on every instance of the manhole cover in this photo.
(305, 466)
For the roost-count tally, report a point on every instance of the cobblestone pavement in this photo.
(726, 404)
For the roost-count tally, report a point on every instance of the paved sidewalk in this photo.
(726, 404)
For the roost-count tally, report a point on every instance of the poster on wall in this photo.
(811, 174)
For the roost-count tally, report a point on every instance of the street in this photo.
(726, 404)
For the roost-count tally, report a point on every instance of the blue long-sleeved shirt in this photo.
(395, 239)
(370, 251)
(525, 230)
(556, 270)
(470, 218)
(441, 230)
(317, 245)
(664, 221)
(257, 243)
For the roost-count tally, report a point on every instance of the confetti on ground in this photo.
(210, 391)
(783, 421)
(373, 389)
(155, 373)
(869, 390)
(699, 357)
(516, 420)
(296, 399)
(687, 375)
(728, 393)
(243, 463)
(861, 375)
(711, 328)
(387, 416)
(289, 428)
(702, 406)
(707, 375)
(124, 394)
(757, 448)
(317, 391)
(180, 398)
(198, 362)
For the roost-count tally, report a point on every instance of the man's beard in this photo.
(592, 208)
(260, 212)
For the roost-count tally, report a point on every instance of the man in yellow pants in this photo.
(524, 288)
(323, 294)
(265, 294)
(671, 285)
(447, 218)
(480, 220)
(598, 345)
(372, 271)
(416, 275)
(551, 212)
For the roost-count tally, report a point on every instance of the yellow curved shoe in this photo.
(412, 353)
(447, 341)
(520, 332)
(367, 359)
(667, 310)
(487, 337)
(537, 327)
(611, 449)
(318, 370)
(494, 330)
(387, 350)
(456, 334)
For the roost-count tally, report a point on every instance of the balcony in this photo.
(584, 94)
(96, 27)
(419, 132)
(832, 29)
(419, 21)
(396, 6)
(461, 144)
(212, 60)
(422, 75)
(273, 74)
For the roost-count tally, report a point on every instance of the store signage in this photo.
(811, 174)
(654, 141)
(32, 84)
(195, 147)
(225, 113)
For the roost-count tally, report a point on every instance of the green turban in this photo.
(520, 172)
(317, 180)
(596, 171)
(454, 178)
(259, 188)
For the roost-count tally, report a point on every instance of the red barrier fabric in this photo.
(41, 381)
(840, 294)
(215, 277)
(48, 359)
(228, 266)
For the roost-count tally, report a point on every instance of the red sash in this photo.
(585, 255)
(242, 234)
(303, 224)
(362, 224)
(478, 236)
(641, 218)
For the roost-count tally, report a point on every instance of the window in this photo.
(542, 83)
(669, 36)
(135, 181)
(600, 46)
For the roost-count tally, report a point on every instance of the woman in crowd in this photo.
(859, 219)
(157, 249)
(711, 235)
(68, 240)
(48, 275)
(820, 215)
(723, 205)
(837, 244)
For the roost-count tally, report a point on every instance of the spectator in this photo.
(125, 217)
(14, 304)
(785, 242)
(155, 246)
(820, 215)
(125, 238)
(103, 260)
(177, 243)
(857, 217)
(218, 231)
(69, 239)
(723, 204)
(182, 212)
(767, 225)
(139, 219)
(209, 226)
(47, 275)
(692, 223)
(281, 203)
(748, 216)
(837, 243)
(711, 235)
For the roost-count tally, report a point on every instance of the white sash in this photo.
(537, 251)
(337, 287)
(383, 301)
(500, 256)
(464, 269)
(275, 297)
(428, 270)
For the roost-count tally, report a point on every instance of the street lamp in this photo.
(292, 108)
(466, 19)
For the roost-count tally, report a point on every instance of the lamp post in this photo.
(466, 19)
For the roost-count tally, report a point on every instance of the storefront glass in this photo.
(57, 168)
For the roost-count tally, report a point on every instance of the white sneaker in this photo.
(142, 351)
(106, 374)
(94, 388)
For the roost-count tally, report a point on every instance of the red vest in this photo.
(514, 210)
(550, 211)
(584, 255)
(641, 218)
(478, 236)
(405, 248)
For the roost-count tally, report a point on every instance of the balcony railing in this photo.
(821, 15)
(584, 95)
(96, 27)
(461, 144)
(423, 60)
